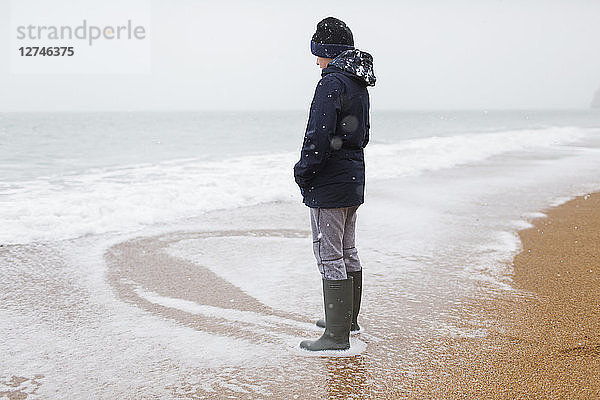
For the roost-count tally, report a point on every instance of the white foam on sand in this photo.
(84, 342)
(287, 279)
(520, 224)
(357, 347)
(81, 361)
(534, 215)
(259, 321)
(249, 317)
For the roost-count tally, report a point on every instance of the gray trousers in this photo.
(333, 232)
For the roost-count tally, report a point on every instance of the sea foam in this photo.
(124, 198)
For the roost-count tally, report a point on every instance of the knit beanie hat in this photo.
(332, 38)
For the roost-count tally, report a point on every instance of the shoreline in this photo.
(540, 339)
(546, 340)
(560, 264)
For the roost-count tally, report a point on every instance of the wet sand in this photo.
(542, 340)
(144, 263)
(539, 340)
(546, 342)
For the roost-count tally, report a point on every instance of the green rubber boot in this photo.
(337, 296)
(357, 296)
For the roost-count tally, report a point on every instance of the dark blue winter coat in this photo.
(331, 170)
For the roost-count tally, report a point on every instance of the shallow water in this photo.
(136, 300)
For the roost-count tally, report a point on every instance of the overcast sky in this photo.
(254, 55)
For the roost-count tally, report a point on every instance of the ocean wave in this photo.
(127, 198)
(415, 156)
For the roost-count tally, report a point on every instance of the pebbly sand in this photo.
(541, 340)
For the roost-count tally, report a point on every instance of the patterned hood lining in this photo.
(359, 63)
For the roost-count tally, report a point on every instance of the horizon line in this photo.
(240, 110)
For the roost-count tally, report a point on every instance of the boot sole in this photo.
(334, 349)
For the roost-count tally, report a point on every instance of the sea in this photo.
(64, 175)
(446, 194)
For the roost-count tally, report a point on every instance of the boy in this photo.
(331, 175)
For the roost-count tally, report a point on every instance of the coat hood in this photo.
(357, 63)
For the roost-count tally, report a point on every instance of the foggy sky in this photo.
(209, 55)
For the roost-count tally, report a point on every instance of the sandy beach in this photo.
(546, 343)
(538, 337)
(195, 279)
(541, 341)
(159, 162)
